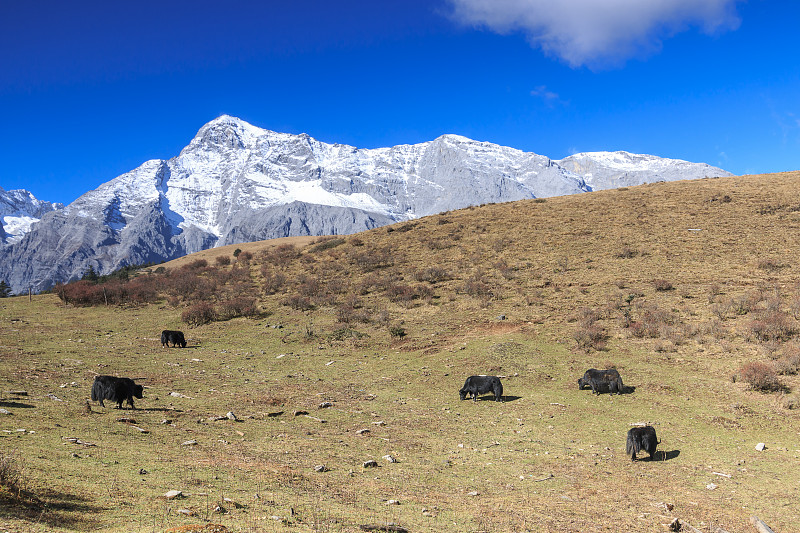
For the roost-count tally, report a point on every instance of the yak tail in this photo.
(632, 446)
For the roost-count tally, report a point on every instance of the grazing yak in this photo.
(601, 381)
(476, 385)
(641, 438)
(175, 337)
(115, 389)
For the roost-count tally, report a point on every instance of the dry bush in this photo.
(197, 264)
(327, 243)
(505, 270)
(713, 291)
(723, 308)
(626, 252)
(80, 293)
(399, 292)
(371, 259)
(348, 313)
(10, 472)
(770, 264)
(477, 287)
(590, 336)
(716, 329)
(199, 314)
(769, 326)
(747, 302)
(662, 285)
(760, 377)
(223, 260)
(789, 361)
(651, 321)
(245, 257)
(281, 256)
(356, 241)
(236, 307)
(433, 274)
(439, 243)
(298, 302)
(272, 282)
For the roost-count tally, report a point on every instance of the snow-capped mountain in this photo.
(235, 183)
(19, 209)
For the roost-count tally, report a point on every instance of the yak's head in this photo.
(582, 383)
(137, 391)
(463, 394)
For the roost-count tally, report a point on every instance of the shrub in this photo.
(651, 321)
(197, 264)
(760, 377)
(662, 285)
(397, 332)
(273, 282)
(770, 265)
(298, 302)
(199, 314)
(590, 336)
(9, 471)
(327, 243)
(626, 252)
(245, 257)
(477, 288)
(282, 255)
(235, 307)
(223, 260)
(371, 259)
(772, 326)
(432, 274)
(398, 292)
(345, 333)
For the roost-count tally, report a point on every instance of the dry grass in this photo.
(500, 289)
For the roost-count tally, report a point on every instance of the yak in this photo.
(476, 385)
(602, 381)
(115, 389)
(175, 337)
(641, 438)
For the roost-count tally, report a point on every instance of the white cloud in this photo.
(597, 32)
(549, 97)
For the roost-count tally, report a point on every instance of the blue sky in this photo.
(92, 89)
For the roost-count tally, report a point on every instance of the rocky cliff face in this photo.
(19, 209)
(235, 183)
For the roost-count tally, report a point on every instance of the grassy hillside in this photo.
(680, 286)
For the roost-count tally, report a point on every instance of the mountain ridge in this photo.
(235, 182)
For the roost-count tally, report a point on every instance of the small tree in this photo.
(5, 290)
(90, 274)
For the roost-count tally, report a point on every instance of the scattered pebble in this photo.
(760, 447)
(320, 468)
(390, 459)
(173, 494)
(189, 443)
(370, 464)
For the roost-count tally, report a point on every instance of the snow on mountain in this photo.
(235, 182)
(19, 210)
(610, 170)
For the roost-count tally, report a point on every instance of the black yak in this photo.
(115, 389)
(175, 337)
(602, 381)
(641, 438)
(476, 385)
